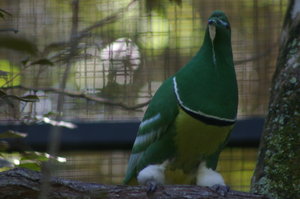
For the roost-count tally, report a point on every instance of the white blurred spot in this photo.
(61, 159)
(56, 123)
(114, 63)
(16, 161)
(122, 57)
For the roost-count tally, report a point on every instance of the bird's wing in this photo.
(152, 143)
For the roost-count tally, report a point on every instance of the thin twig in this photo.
(257, 56)
(9, 30)
(54, 140)
(87, 97)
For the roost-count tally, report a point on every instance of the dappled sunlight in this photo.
(9, 74)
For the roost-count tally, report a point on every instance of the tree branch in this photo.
(55, 133)
(87, 97)
(24, 183)
(257, 56)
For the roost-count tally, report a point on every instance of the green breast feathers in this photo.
(190, 117)
(207, 85)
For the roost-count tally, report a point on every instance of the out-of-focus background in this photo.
(127, 48)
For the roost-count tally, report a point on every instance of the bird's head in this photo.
(218, 24)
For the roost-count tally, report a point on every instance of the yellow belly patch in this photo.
(177, 176)
(195, 139)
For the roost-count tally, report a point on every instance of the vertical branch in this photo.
(55, 135)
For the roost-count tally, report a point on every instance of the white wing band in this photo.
(197, 112)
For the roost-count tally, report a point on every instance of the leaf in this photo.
(26, 98)
(12, 134)
(18, 44)
(3, 13)
(4, 169)
(2, 93)
(10, 74)
(49, 114)
(29, 98)
(34, 156)
(31, 165)
(43, 61)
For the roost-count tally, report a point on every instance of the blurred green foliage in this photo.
(160, 5)
(10, 159)
(10, 155)
(4, 13)
(15, 153)
(18, 44)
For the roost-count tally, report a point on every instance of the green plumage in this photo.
(191, 115)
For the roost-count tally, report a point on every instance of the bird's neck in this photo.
(219, 49)
(213, 84)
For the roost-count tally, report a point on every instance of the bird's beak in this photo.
(212, 29)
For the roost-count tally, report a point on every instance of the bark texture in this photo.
(277, 172)
(25, 184)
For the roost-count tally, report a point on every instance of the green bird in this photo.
(190, 117)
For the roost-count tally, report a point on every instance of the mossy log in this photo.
(23, 183)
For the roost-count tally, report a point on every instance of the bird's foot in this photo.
(151, 186)
(220, 189)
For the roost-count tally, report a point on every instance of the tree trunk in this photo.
(277, 172)
(25, 184)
